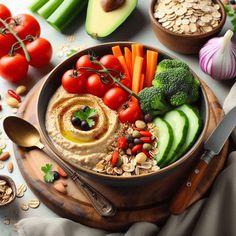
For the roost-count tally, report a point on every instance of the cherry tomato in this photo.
(122, 143)
(115, 97)
(73, 82)
(95, 86)
(126, 82)
(40, 51)
(4, 13)
(111, 62)
(25, 25)
(84, 61)
(13, 68)
(6, 41)
(130, 112)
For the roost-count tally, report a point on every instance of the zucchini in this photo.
(178, 121)
(165, 139)
(195, 126)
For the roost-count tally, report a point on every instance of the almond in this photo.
(12, 102)
(60, 187)
(4, 156)
(21, 89)
(10, 167)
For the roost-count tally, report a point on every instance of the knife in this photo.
(212, 147)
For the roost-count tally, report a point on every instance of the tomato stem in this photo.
(27, 56)
(115, 80)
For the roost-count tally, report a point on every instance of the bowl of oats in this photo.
(184, 26)
(7, 190)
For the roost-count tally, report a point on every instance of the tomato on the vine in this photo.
(73, 82)
(84, 61)
(24, 25)
(40, 52)
(95, 86)
(13, 68)
(4, 13)
(115, 97)
(6, 41)
(111, 62)
(130, 112)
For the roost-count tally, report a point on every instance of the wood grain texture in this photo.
(135, 203)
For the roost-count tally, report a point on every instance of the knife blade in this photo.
(212, 146)
(218, 137)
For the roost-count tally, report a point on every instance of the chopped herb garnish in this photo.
(48, 177)
(232, 15)
(86, 115)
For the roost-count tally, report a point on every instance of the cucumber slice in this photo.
(195, 126)
(179, 124)
(165, 138)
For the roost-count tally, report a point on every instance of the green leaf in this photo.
(71, 52)
(90, 122)
(86, 116)
(48, 177)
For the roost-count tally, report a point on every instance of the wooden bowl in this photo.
(11, 184)
(53, 81)
(186, 44)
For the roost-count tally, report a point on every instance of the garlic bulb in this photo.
(218, 57)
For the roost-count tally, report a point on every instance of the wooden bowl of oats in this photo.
(185, 26)
(7, 190)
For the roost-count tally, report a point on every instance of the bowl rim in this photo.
(188, 36)
(12, 184)
(45, 137)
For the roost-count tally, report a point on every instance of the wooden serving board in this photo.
(134, 204)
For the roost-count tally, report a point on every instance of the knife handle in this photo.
(184, 195)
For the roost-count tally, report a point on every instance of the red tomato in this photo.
(95, 86)
(6, 41)
(4, 13)
(111, 62)
(84, 61)
(25, 25)
(40, 51)
(130, 112)
(115, 97)
(13, 68)
(73, 82)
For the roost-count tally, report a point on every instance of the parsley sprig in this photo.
(86, 115)
(48, 177)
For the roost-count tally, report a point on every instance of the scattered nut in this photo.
(1, 165)
(21, 89)
(24, 207)
(140, 124)
(34, 203)
(4, 156)
(141, 157)
(60, 187)
(10, 167)
(6, 192)
(12, 102)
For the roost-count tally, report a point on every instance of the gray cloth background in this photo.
(213, 216)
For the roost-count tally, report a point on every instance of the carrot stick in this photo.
(139, 50)
(138, 64)
(141, 82)
(134, 53)
(151, 64)
(128, 59)
(116, 51)
(124, 66)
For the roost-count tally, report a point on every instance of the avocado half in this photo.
(100, 24)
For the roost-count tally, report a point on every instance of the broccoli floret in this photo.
(167, 64)
(178, 86)
(152, 101)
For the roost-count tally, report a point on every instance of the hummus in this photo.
(83, 148)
